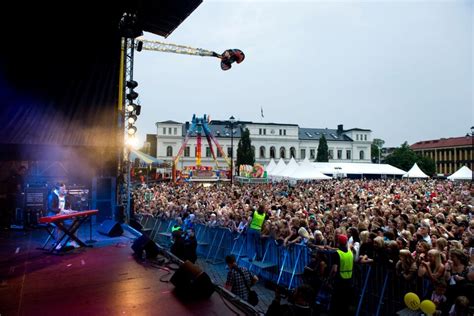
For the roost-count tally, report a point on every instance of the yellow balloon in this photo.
(412, 301)
(428, 307)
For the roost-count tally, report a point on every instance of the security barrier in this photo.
(378, 290)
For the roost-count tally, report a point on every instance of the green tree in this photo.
(404, 158)
(323, 151)
(427, 164)
(245, 153)
(375, 147)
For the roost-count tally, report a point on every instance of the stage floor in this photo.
(104, 280)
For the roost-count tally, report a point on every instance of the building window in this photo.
(164, 130)
(229, 151)
(259, 131)
(365, 137)
(311, 154)
(187, 151)
(176, 131)
(282, 152)
(292, 152)
(348, 155)
(339, 154)
(361, 155)
(264, 131)
(195, 151)
(169, 151)
(262, 152)
(330, 154)
(303, 153)
(208, 152)
(284, 132)
(357, 136)
(272, 152)
(281, 132)
(169, 130)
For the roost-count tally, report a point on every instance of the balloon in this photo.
(428, 307)
(412, 301)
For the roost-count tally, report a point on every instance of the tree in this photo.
(374, 149)
(245, 154)
(323, 151)
(404, 158)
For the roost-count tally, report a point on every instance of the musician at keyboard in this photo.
(59, 202)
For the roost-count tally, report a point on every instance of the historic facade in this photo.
(449, 154)
(269, 140)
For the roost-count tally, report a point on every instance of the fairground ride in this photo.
(199, 125)
(128, 111)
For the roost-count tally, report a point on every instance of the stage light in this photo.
(138, 109)
(139, 46)
(131, 130)
(132, 95)
(132, 142)
(132, 119)
(132, 84)
(131, 107)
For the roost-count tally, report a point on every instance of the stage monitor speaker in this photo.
(110, 228)
(145, 244)
(191, 282)
(135, 225)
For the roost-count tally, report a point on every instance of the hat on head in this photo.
(342, 239)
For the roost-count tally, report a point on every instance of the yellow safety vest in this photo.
(346, 261)
(257, 220)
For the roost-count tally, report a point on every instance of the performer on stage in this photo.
(59, 202)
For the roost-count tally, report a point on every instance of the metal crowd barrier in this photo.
(378, 290)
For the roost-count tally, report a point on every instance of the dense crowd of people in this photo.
(422, 229)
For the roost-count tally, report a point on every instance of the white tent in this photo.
(271, 165)
(307, 172)
(290, 168)
(281, 165)
(415, 172)
(462, 174)
(345, 168)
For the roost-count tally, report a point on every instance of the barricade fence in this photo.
(378, 290)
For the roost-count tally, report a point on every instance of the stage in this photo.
(104, 280)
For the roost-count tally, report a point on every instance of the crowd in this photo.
(421, 229)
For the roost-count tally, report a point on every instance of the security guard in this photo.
(342, 274)
(254, 243)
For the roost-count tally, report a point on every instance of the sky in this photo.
(402, 68)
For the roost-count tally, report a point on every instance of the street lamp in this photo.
(232, 121)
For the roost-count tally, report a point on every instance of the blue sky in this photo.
(401, 68)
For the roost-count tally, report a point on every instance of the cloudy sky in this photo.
(403, 69)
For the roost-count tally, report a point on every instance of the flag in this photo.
(261, 111)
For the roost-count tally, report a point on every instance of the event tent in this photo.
(289, 169)
(271, 165)
(415, 172)
(281, 165)
(462, 174)
(346, 168)
(306, 171)
(144, 158)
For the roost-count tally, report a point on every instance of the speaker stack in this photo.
(110, 228)
(191, 282)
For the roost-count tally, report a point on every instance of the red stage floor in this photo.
(94, 281)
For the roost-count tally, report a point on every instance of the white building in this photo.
(270, 140)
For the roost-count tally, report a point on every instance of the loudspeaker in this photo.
(110, 228)
(135, 225)
(191, 282)
(143, 243)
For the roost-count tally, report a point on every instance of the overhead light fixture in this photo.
(132, 95)
(131, 130)
(132, 84)
(131, 107)
(132, 119)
